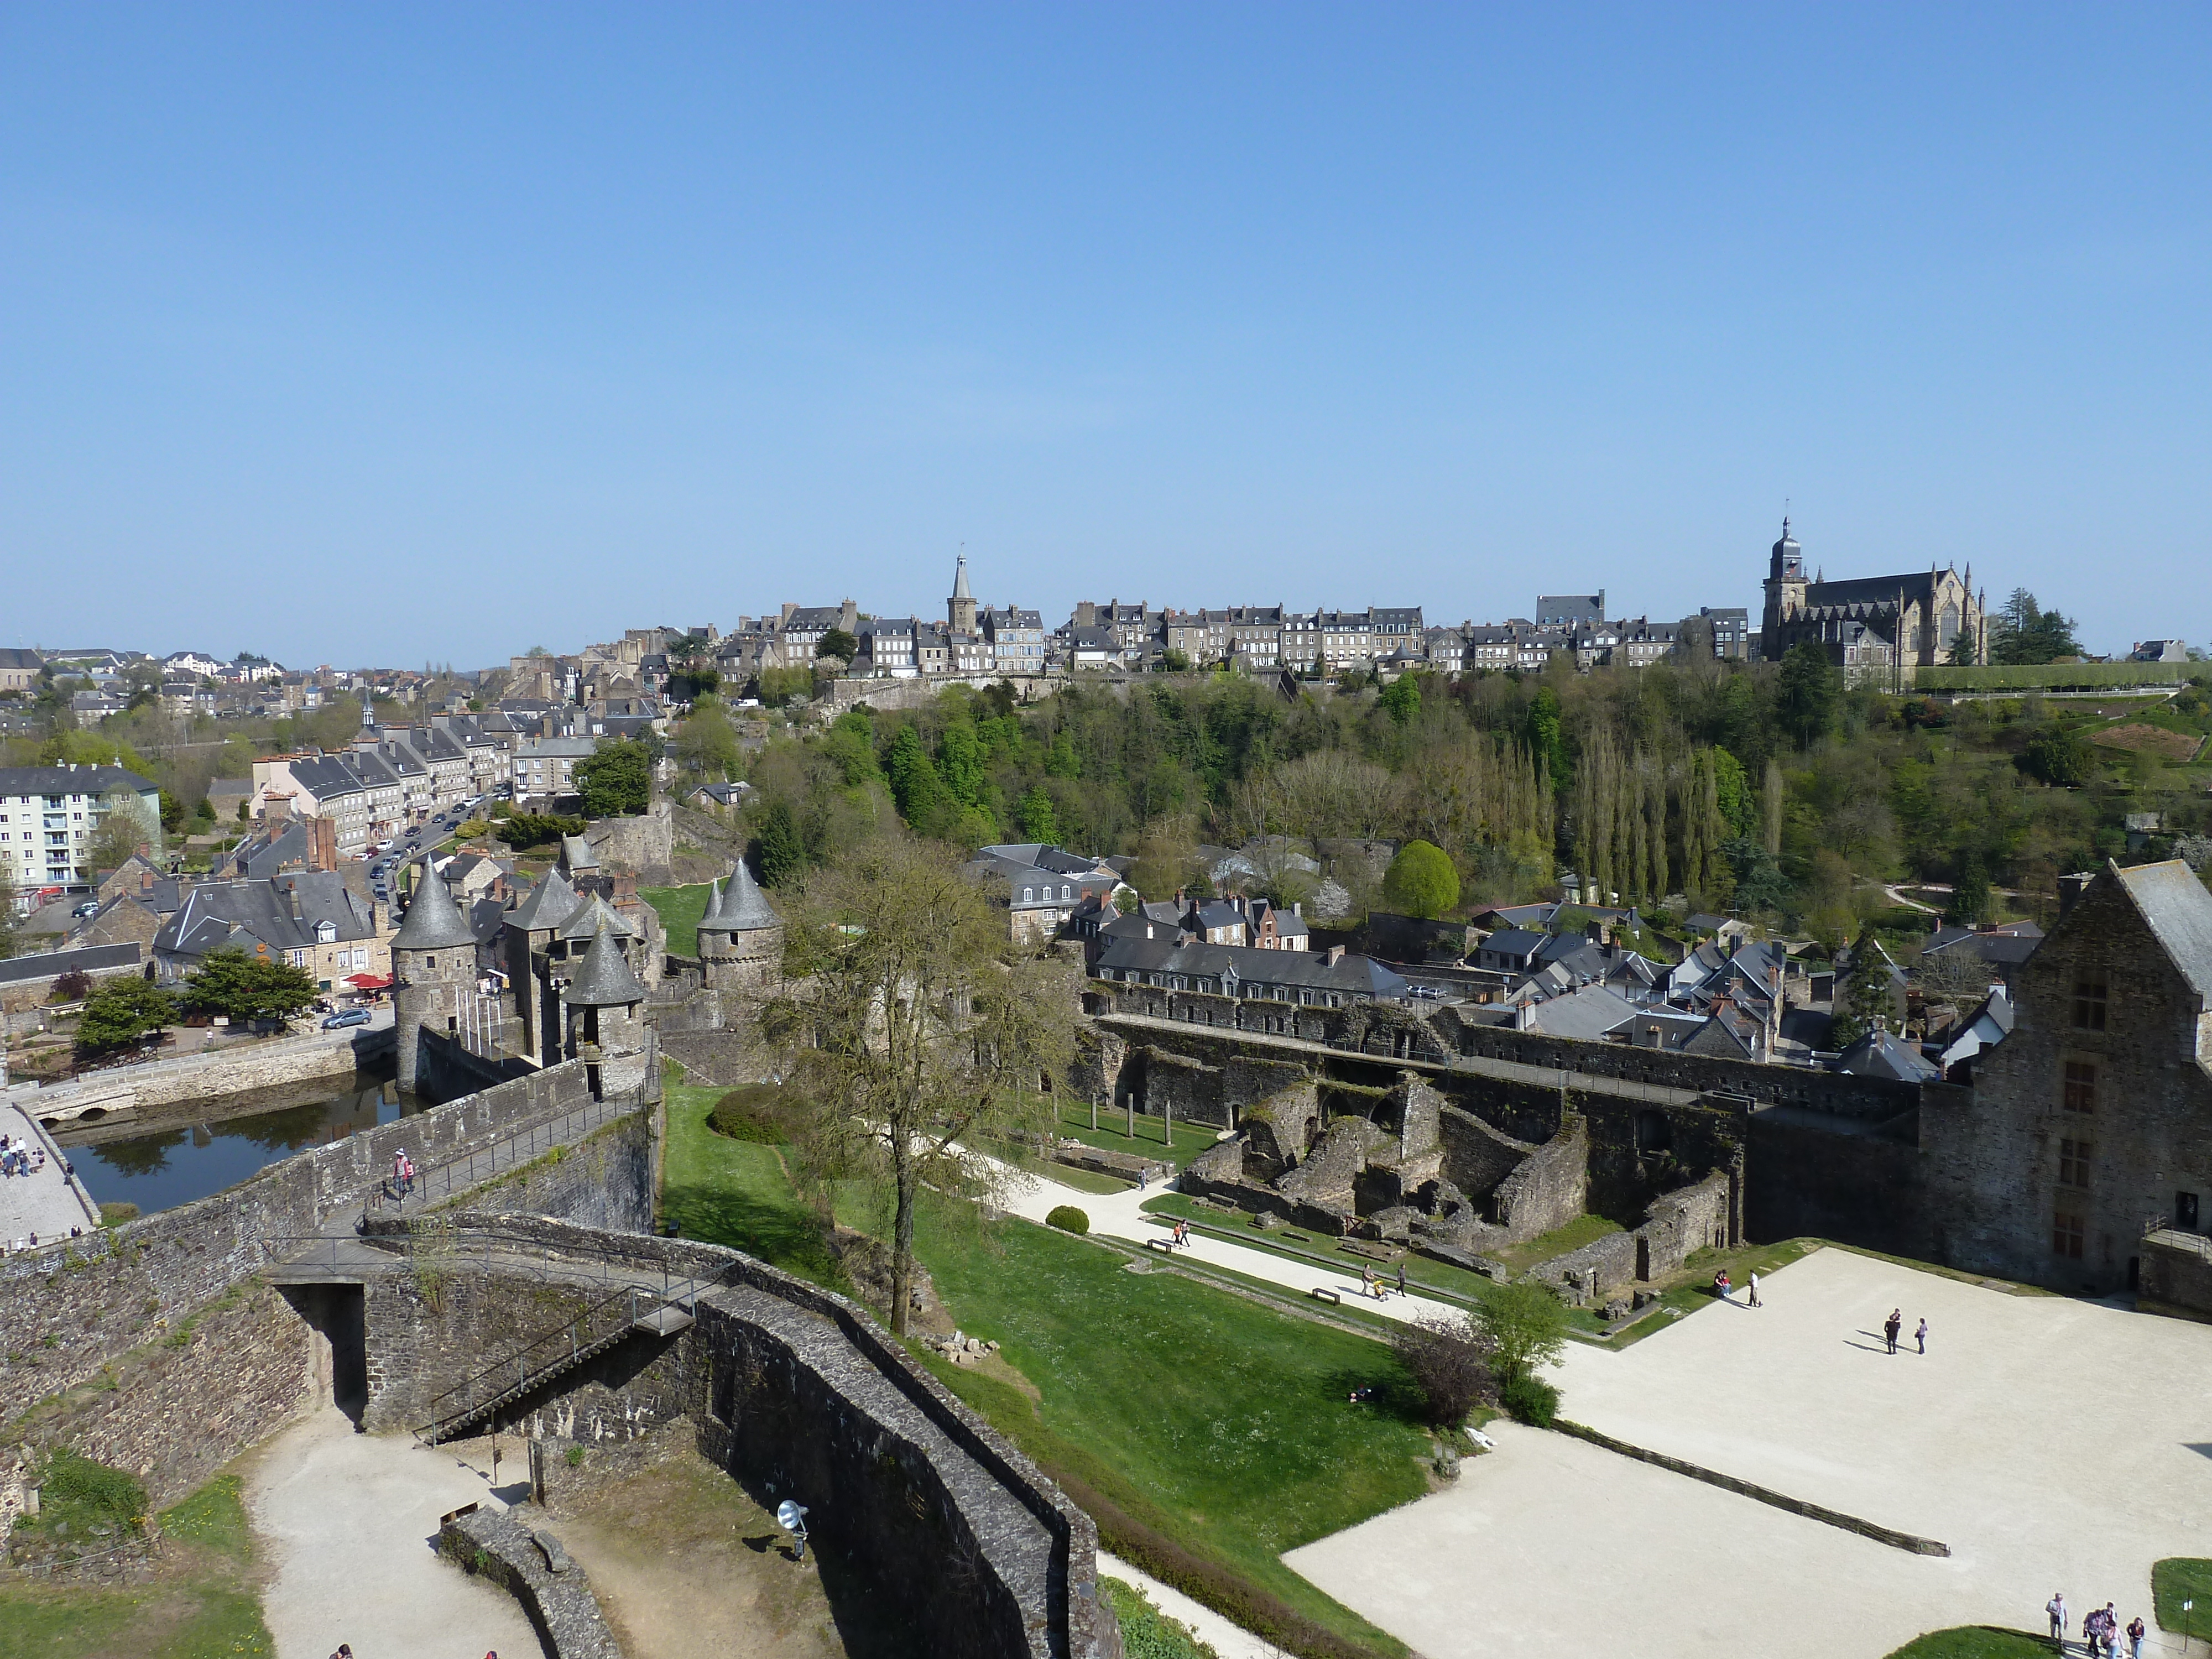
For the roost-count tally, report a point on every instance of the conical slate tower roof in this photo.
(592, 915)
(960, 580)
(549, 905)
(744, 908)
(604, 979)
(433, 921)
(714, 908)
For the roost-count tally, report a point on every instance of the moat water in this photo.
(189, 1158)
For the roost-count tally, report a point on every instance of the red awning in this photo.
(369, 983)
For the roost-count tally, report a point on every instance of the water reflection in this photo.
(161, 1171)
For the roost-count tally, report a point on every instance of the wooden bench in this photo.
(1323, 1294)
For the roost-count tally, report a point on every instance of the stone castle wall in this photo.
(162, 1083)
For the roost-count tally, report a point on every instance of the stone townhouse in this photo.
(545, 770)
(2088, 1129)
(309, 919)
(887, 647)
(1040, 887)
(1016, 640)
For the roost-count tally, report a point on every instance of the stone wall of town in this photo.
(797, 1394)
(244, 1068)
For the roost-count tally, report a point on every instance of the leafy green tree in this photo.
(1810, 689)
(121, 1011)
(851, 743)
(127, 827)
(778, 850)
(1732, 792)
(960, 763)
(242, 986)
(706, 744)
(615, 779)
(1760, 885)
(1421, 881)
(1969, 890)
(172, 814)
(2060, 758)
(1525, 1324)
(1402, 699)
(2023, 634)
(921, 1034)
(10, 923)
(1866, 1000)
(536, 828)
(203, 812)
(1541, 733)
(1040, 823)
(837, 643)
(1964, 648)
(921, 797)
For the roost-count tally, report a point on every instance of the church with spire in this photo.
(1871, 624)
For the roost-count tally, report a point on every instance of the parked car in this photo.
(89, 908)
(351, 1017)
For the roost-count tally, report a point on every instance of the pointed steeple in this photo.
(604, 979)
(960, 580)
(744, 908)
(714, 911)
(433, 921)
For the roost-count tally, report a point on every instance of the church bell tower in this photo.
(1785, 593)
(960, 609)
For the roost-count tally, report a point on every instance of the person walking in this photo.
(1401, 1278)
(1755, 1288)
(2136, 1634)
(1920, 1335)
(1891, 1326)
(2108, 1621)
(2056, 1607)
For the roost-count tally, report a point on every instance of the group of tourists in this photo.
(1724, 1288)
(2100, 1629)
(1895, 1322)
(18, 1157)
(403, 1174)
(1378, 1288)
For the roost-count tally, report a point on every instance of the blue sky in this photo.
(388, 334)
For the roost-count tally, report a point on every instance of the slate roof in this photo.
(1173, 953)
(742, 908)
(550, 902)
(604, 979)
(65, 780)
(592, 915)
(219, 913)
(433, 921)
(1587, 1014)
(1884, 1054)
(2178, 910)
(48, 965)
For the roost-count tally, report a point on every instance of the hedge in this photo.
(1068, 1219)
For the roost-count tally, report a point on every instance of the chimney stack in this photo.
(2071, 888)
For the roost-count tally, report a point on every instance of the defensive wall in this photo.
(157, 1346)
(245, 1068)
(795, 1391)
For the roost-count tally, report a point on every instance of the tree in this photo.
(1970, 893)
(706, 744)
(121, 1011)
(10, 922)
(919, 793)
(1402, 699)
(536, 828)
(2023, 634)
(837, 643)
(127, 827)
(1421, 881)
(1039, 821)
(615, 779)
(1810, 688)
(1450, 1361)
(1526, 1326)
(919, 1034)
(851, 743)
(1866, 1001)
(241, 987)
(2058, 757)
(172, 814)
(142, 682)
(778, 850)
(1964, 649)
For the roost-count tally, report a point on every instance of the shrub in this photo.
(1531, 1400)
(758, 1112)
(75, 986)
(1068, 1219)
(1146, 1633)
(1526, 1325)
(576, 1457)
(1449, 1363)
(78, 1497)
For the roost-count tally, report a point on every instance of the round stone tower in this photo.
(741, 937)
(434, 966)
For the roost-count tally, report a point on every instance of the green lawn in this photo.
(1582, 1230)
(1150, 1140)
(2181, 1578)
(1169, 1408)
(203, 1607)
(1975, 1642)
(679, 909)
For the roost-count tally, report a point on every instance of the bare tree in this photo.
(1450, 1363)
(914, 1032)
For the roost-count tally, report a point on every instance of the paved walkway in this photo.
(349, 1525)
(47, 1204)
(2054, 1444)
(1120, 1215)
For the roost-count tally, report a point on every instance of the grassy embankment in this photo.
(1206, 1434)
(202, 1603)
(679, 909)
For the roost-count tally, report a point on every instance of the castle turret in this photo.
(960, 609)
(604, 997)
(434, 966)
(741, 938)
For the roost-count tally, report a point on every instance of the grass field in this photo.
(1975, 1642)
(2181, 1578)
(201, 1606)
(1150, 1140)
(679, 909)
(1190, 1411)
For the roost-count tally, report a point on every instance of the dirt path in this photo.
(686, 1566)
(348, 1525)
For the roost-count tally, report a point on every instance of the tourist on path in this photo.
(2136, 1634)
(1921, 1336)
(1754, 1289)
(1401, 1278)
(2056, 1607)
(1891, 1326)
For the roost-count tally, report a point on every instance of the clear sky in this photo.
(390, 333)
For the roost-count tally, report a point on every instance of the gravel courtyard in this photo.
(2052, 1443)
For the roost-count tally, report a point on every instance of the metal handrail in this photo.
(512, 1373)
(524, 1143)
